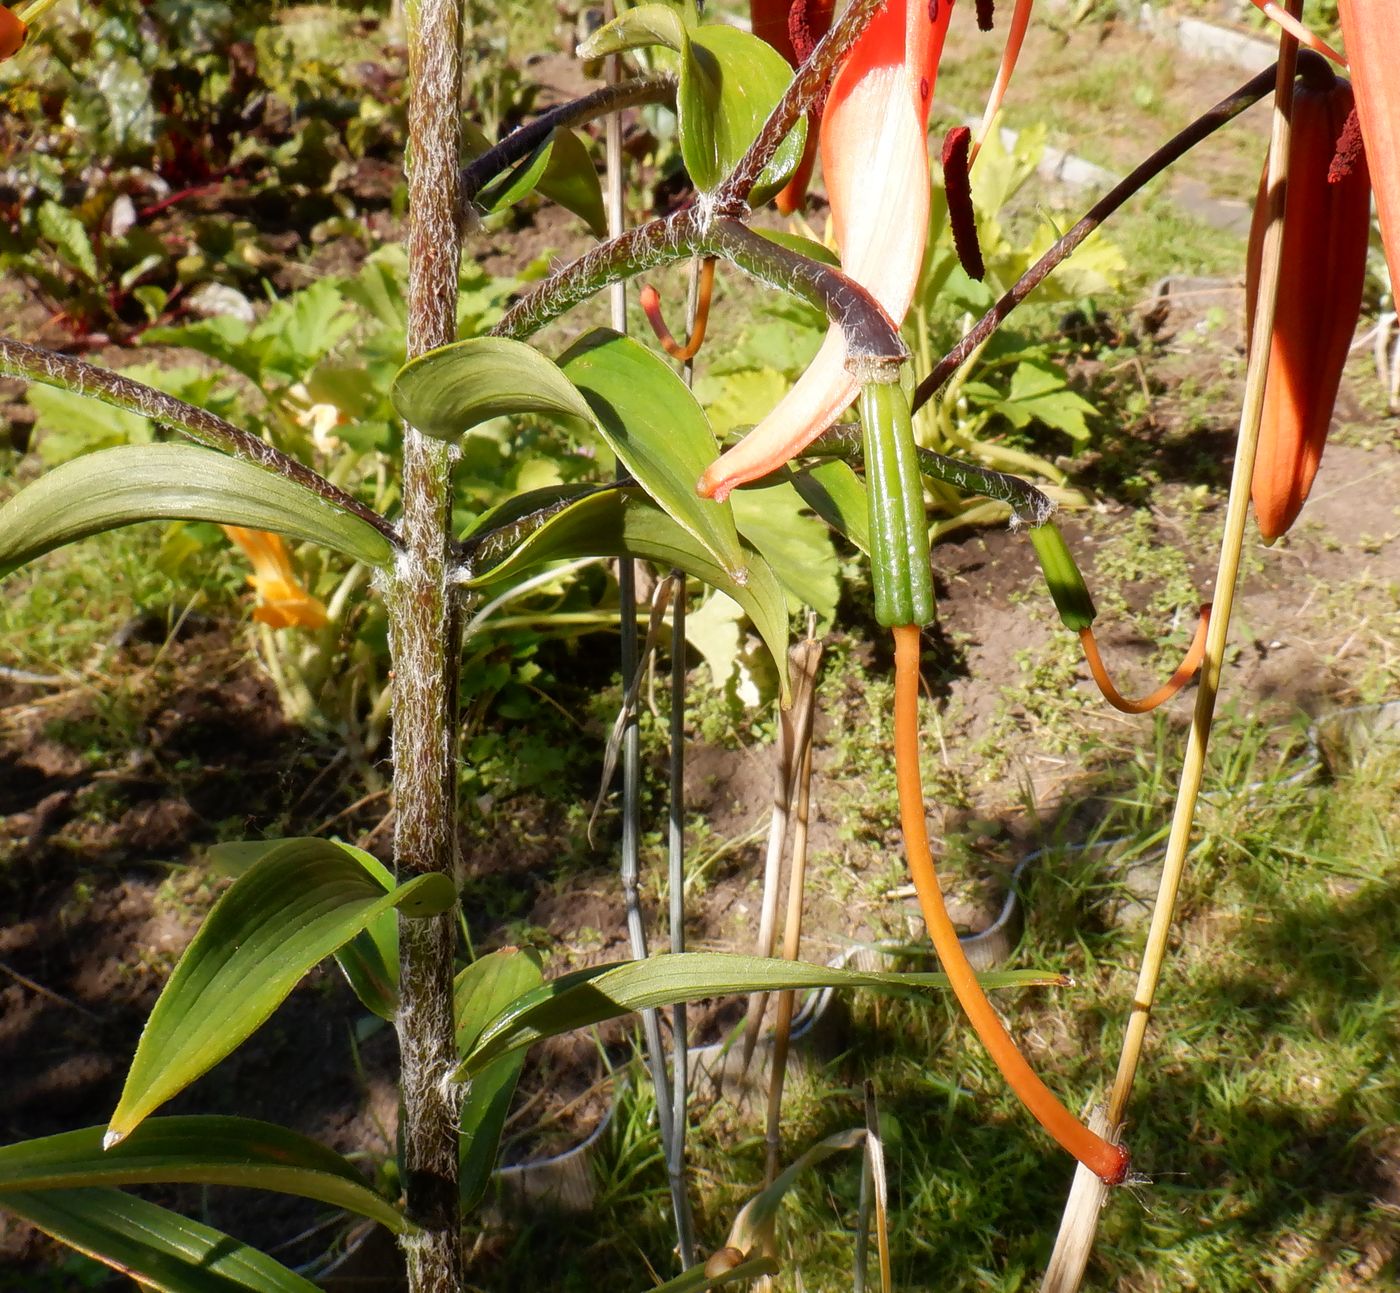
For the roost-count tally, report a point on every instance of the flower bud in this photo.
(1326, 224)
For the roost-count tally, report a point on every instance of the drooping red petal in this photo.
(1326, 225)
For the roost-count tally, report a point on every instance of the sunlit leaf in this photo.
(837, 495)
(621, 522)
(450, 390)
(482, 991)
(116, 487)
(658, 431)
(293, 908)
(730, 81)
(202, 1150)
(605, 991)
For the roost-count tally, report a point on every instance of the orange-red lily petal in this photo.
(13, 33)
(282, 600)
(1371, 30)
(1326, 226)
(875, 156)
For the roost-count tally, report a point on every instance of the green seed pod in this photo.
(1066, 584)
(899, 556)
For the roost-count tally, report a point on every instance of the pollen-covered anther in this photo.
(962, 217)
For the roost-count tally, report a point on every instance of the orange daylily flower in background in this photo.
(874, 149)
(13, 33)
(777, 21)
(1326, 227)
(282, 601)
(1371, 30)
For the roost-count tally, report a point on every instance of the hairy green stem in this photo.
(31, 364)
(424, 642)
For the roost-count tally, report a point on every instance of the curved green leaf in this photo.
(735, 80)
(293, 908)
(482, 991)
(571, 180)
(658, 430)
(606, 991)
(156, 1247)
(647, 24)
(560, 168)
(624, 522)
(129, 483)
(203, 1150)
(695, 1280)
(454, 388)
(729, 82)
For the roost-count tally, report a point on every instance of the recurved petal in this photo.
(817, 399)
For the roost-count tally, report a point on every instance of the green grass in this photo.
(1264, 1107)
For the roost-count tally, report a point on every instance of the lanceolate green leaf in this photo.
(729, 82)
(658, 431)
(154, 1246)
(293, 908)
(450, 390)
(695, 1280)
(116, 487)
(482, 991)
(202, 1150)
(735, 81)
(571, 180)
(606, 991)
(560, 168)
(622, 522)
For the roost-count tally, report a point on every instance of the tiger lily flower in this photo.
(283, 602)
(874, 151)
(1326, 226)
(1371, 30)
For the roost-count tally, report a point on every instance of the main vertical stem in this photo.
(424, 633)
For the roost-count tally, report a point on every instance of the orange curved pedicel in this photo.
(1187, 670)
(1109, 1162)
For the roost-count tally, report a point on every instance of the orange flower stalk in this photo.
(282, 601)
(1185, 671)
(1371, 29)
(1326, 224)
(1102, 1157)
(875, 157)
(650, 300)
(793, 27)
(13, 33)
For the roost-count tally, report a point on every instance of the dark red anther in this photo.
(1350, 154)
(933, 10)
(958, 187)
(804, 39)
(984, 15)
